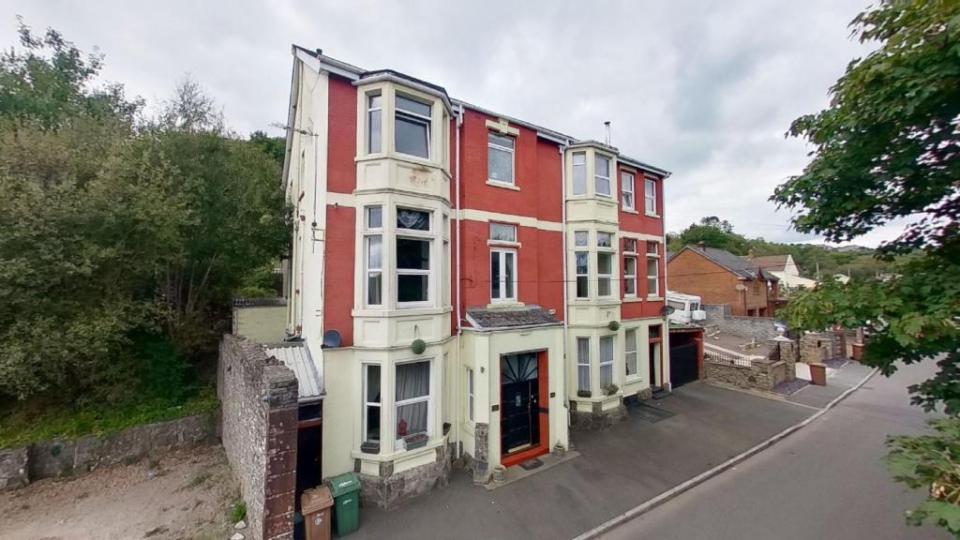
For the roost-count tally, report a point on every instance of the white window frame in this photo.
(628, 196)
(367, 404)
(371, 110)
(579, 183)
(650, 196)
(414, 117)
(630, 355)
(513, 158)
(369, 233)
(610, 252)
(585, 275)
(502, 257)
(413, 234)
(398, 441)
(629, 277)
(583, 366)
(505, 226)
(470, 396)
(655, 257)
(597, 176)
(606, 364)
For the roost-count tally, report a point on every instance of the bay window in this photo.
(629, 267)
(626, 187)
(371, 403)
(374, 254)
(503, 275)
(604, 264)
(583, 364)
(650, 196)
(413, 256)
(601, 175)
(412, 399)
(606, 361)
(374, 123)
(630, 351)
(412, 127)
(500, 162)
(653, 269)
(579, 173)
(583, 276)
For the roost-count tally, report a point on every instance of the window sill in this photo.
(414, 160)
(632, 299)
(633, 379)
(654, 298)
(511, 304)
(502, 185)
(400, 312)
(503, 243)
(630, 211)
(392, 453)
(655, 216)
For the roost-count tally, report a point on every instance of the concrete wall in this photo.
(66, 457)
(261, 320)
(259, 431)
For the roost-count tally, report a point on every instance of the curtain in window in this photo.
(606, 361)
(413, 381)
(583, 364)
(413, 219)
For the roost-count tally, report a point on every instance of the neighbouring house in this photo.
(465, 283)
(783, 268)
(720, 277)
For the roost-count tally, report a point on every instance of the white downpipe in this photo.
(665, 342)
(566, 285)
(458, 390)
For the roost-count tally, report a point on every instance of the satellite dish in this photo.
(666, 311)
(331, 339)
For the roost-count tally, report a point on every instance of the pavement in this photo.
(619, 468)
(826, 481)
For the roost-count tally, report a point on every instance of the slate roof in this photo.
(486, 319)
(297, 357)
(739, 266)
(774, 263)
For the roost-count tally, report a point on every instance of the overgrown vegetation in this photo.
(889, 147)
(123, 239)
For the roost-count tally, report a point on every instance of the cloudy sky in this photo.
(704, 89)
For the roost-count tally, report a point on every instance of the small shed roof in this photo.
(487, 319)
(297, 357)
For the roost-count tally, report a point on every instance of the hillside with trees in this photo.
(123, 238)
(857, 262)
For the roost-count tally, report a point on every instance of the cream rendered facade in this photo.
(463, 407)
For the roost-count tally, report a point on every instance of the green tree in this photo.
(275, 147)
(889, 147)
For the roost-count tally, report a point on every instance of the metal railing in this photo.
(715, 353)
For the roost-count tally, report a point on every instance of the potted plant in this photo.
(610, 389)
(418, 346)
(614, 326)
(417, 440)
(584, 393)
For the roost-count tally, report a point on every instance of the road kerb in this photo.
(706, 475)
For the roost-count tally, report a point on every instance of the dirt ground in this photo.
(184, 494)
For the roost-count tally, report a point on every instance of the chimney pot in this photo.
(701, 244)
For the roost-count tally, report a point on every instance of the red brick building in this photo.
(720, 277)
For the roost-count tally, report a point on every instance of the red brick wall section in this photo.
(342, 134)
(258, 397)
(692, 273)
(338, 267)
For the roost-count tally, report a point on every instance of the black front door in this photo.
(683, 364)
(519, 402)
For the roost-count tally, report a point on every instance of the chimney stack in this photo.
(701, 245)
(606, 127)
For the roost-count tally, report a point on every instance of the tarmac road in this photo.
(827, 481)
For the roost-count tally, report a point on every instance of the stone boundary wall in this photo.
(760, 375)
(64, 457)
(258, 397)
(262, 320)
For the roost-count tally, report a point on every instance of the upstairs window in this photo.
(579, 173)
(412, 127)
(626, 187)
(501, 232)
(602, 176)
(630, 267)
(373, 241)
(653, 269)
(650, 196)
(500, 162)
(374, 123)
(583, 276)
(413, 256)
(604, 264)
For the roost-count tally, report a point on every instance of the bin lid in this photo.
(316, 499)
(343, 484)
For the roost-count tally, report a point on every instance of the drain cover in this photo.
(531, 464)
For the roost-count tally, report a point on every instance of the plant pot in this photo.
(415, 441)
(584, 393)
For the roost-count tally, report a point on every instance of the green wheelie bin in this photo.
(346, 503)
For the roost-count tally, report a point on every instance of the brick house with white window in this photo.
(468, 284)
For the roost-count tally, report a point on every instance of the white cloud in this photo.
(706, 90)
